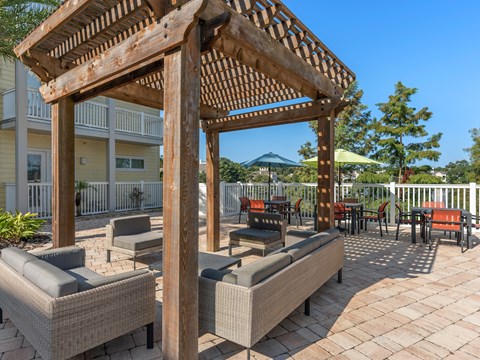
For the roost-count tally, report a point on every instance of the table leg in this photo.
(354, 220)
(413, 231)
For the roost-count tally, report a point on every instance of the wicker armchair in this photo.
(85, 314)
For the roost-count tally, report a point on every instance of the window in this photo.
(127, 163)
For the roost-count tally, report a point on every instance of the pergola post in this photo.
(326, 168)
(63, 172)
(213, 192)
(180, 205)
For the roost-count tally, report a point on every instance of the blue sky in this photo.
(432, 45)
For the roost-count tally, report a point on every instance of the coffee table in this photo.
(207, 261)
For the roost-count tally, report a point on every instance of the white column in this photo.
(21, 138)
(473, 199)
(111, 162)
(392, 203)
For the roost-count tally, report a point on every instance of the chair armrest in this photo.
(109, 236)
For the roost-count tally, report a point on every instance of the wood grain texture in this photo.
(213, 191)
(325, 189)
(270, 117)
(63, 173)
(170, 32)
(180, 189)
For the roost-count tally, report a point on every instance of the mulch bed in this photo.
(38, 240)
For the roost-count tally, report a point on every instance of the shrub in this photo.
(18, 226)
(372, 178)
(424, 179)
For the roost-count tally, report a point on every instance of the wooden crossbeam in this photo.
(248, 44)
(133, 51)
(270, 117)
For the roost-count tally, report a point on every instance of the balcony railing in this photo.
(89, 114)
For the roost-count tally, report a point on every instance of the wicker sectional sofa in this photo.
(63, 308)
(244, 304)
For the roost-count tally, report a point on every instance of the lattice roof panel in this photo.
(226, 83)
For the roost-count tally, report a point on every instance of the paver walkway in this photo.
(398, 300)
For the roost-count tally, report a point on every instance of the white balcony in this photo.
(89, 115)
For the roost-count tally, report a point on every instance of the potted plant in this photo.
(80, 186)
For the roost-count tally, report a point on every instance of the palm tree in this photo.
(17, 19)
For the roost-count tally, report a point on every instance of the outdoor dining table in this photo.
(278, 204)
(419, 213)
(356, 207)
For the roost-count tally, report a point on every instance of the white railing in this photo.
(94, 199)
(371, 195)
(88, 114)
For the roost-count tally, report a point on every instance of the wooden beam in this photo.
(48, 68)
(135, 50)
(271, 117)
(245, 42)
(60, 17)
(213, 191)
(326, 156)
(180, 204)
(63, 173)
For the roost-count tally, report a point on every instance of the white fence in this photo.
(89, 114)
(94, 200)
(371, 195)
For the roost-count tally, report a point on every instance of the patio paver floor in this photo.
(398, 300)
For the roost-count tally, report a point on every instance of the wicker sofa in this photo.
(263, 231)
(132, 235)
(244, 304)
(63, 308)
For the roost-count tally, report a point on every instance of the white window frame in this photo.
(130, 158)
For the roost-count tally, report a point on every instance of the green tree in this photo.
(474, 152)
(424, 179)
(231, 172)
(17, 19)
(459, 172)
(398, 125)
(353, 126)
(372, 178)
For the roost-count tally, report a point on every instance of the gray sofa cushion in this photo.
(255, 235)
(294, 236)
(130, 225)
(299, 249)
(139, 241)
(82, 274)
(251, 274)
(219, 275)
(105, 280)
(64, 258)
(265, 221)
(17, 258)
(52, 280)
(326, 236)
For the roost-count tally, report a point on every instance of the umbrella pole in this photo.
(268, 181)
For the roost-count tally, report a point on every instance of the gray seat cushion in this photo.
(255, 235)
(54, 281)
(299, 249)
(105, 280)
(326, 236)
(251, 274)
(139, 241)
(129, 225)
(219, 275)
(83, 274)
(17, 258)
(64, 258)
(294, 236)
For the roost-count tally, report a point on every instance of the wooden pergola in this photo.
(195, 59)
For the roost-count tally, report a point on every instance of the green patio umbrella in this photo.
(271, 160)
(343, 157)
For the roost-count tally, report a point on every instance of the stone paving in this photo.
(398, 300)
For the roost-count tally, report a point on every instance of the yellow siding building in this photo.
(116, 142)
